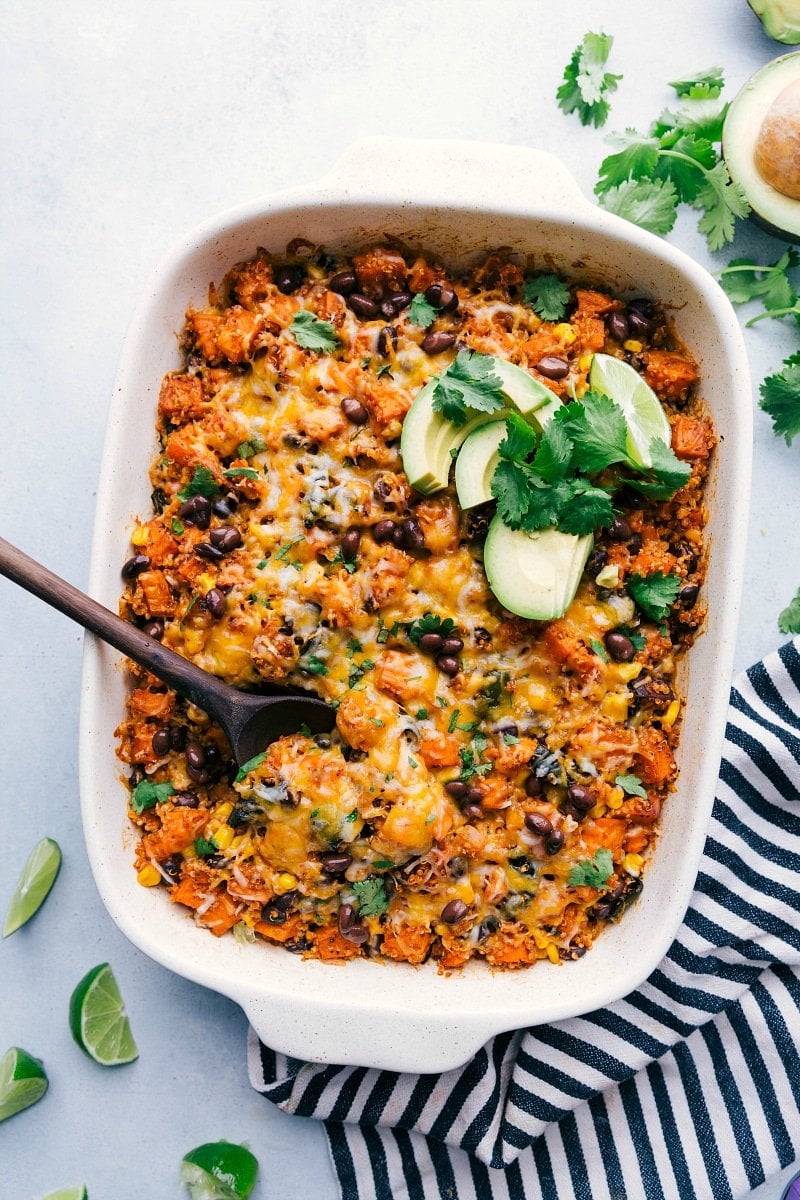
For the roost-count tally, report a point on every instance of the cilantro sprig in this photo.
(587, 84)
(420, 312)
(547, 295)
(789, 618)
(676, 162)
(146, 794)
(780, 398)
(655, 593)
(593, 872)
(311, 333)
(202, 483)
(469, 383)
(431, 623)
(371, 896)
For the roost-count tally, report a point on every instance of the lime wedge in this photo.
(98, 1021)
(642, 408)
(219, 1171)
(22, 1081)
(38, 876)
(76, 1193)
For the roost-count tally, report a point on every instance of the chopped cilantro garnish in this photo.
(202, 483)
(205, 846)
(594, 872)
(315, 666)
(420, 312)
(253, 445)
(631, 785)
(146, 794)
(305, 730)
(244, 472)
(250, 765)
(371, 896)
(510, 739)
(599, 649)
(284, 550)
(313, 334)
(547, 296)
(421, 714)
(352, 816)
(383, 863)
(468, 385)
(655, 594)
(177, 527)
(430, 623)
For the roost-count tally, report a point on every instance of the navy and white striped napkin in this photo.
(687, 1089)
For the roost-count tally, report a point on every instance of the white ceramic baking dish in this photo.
(457, 200)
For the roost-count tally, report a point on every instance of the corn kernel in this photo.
(194, 640)
(671, 715)
(139, 536)
(149, 876)
(239, 841)
(628, 671)
(598, 810)
(206, 582)
(285, 882)
(462, 891)
(615, 707)
(223, 811)
(189, 852)
(632, 864)
(616, 798)
(541, 939)
(632, 345)
(223, 837)
(563, 330)
(585, 360)
(551, 950)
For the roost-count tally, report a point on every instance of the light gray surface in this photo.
(122, 126)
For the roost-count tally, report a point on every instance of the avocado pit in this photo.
(777, 148)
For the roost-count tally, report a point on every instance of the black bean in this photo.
(387, 339)
(272, 914)
(196, 511)
(452, 645)
(198, 774)
(285, 901)
(215, 601)
(688, 594)
(177, 738)
(640, 325)
(289, 278)
(438, 341)
(597, 561)
(618, 326)
(323, 741)
(226, 538)
(448, 665)
(209, 552)
(635, 543)
(225, 505)
(642, 305)
(350, 543)
(382, 489)
(350, 927)
(538, 823)
(136, 776)
(162, 742)
(134, 566)
(554, 842)
(619, 647)
(186, 800)
(653, 690)
(619, 530)
(363, 307)
(154, 629)
(533, 785)
(354, 411)
(343, 282)
(431, 643)
(399, 537)
(172, 866)
(553, 367)
(523, 864)
(474, 794)
(382, 530)
(454, 912)
(442, 297)
(335, 864)
(400, 301)
(472, 811)
(213, 757)
(413, 537)
(195, 755)
(456, 789)
(580, 797)
(487, 928)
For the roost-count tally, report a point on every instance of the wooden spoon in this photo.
(250, 722)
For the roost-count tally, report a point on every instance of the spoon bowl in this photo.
(250, 721)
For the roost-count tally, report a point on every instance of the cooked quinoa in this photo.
(493, 784)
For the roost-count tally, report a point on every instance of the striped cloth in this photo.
(687, 1089)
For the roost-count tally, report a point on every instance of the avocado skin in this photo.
(781, 21)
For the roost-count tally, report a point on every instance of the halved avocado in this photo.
(761, 145)
(476, 464)
(535, 575)
(428, 439)
(780, 18)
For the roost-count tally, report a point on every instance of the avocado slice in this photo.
(428, 439)
(534, 575)
(476, 464)
(760, 142)
(780, 18)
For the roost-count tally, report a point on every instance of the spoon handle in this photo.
(196, 685)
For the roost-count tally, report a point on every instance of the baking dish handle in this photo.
(457, 174)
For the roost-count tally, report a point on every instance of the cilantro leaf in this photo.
(431, 623)
(146, 794)
(631, 785)
(371, 896)
(512, 487)
(586, 82)
(520, 439)
(313, 334)
(598, 429)
(701, 115)
(636, 158)
(468, 383)
(599, 649)
(780, 399)
(555, 451)
(205, 847)
(250, 765)
(655, 594)
(594, 872)
(202, 483)
(241, 472)
(584, 509)
(314, 665)
(744, 280)
(722, 200)
(789, 619)
(253, 445)
(710, 80)
(684, 159)
(420, 312)
(547, 295)
(666, 474)
(650, 203)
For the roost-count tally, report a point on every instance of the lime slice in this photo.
(642, 408)
(219, 1171)
(22, 1081)
(76, 1193)
(38, 876)
(98, 1021)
